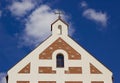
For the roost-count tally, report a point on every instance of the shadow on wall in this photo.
(6, 79)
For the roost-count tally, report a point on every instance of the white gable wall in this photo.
(59, 77)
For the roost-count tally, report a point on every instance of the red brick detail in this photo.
(59, 44)
(97, 82)
(46, 81)
(23, 82)
(94, 70)
(47, 70)
(26, 69)
(73, 82)
(74, 70)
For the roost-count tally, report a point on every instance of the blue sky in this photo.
(94, 24)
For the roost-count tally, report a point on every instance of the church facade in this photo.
(59, 59)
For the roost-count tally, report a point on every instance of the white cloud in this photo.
(83, 4)
(2, 77)
(38, 26)
(93, 15)
(21, 8)
(98, 17)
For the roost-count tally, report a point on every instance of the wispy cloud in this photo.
(98, 17)
(21, 8)
(2, 77)
(93, 15)
(83, 4)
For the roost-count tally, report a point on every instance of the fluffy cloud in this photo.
(38, 25)
(2, 78)
(21, 8)
(93, 15)
(98, 17)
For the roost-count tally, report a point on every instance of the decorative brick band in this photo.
(47, 70)
(73, 82)
(23, 81)
(97, 82)
(74, 70)
(47, 82)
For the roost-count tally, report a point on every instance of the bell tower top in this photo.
(59, 27)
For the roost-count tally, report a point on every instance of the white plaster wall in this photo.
(59, 77)
(56, 31)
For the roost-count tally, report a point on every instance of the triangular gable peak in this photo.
(84, 64)
(79, 66)
(60, 44)
(67, 44)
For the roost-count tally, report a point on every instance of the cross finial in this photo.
(59, 13)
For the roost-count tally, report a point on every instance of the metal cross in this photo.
(59, 13)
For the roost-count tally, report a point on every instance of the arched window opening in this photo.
(60, 60)
(60, 29)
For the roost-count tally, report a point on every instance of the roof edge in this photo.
(60, 20)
